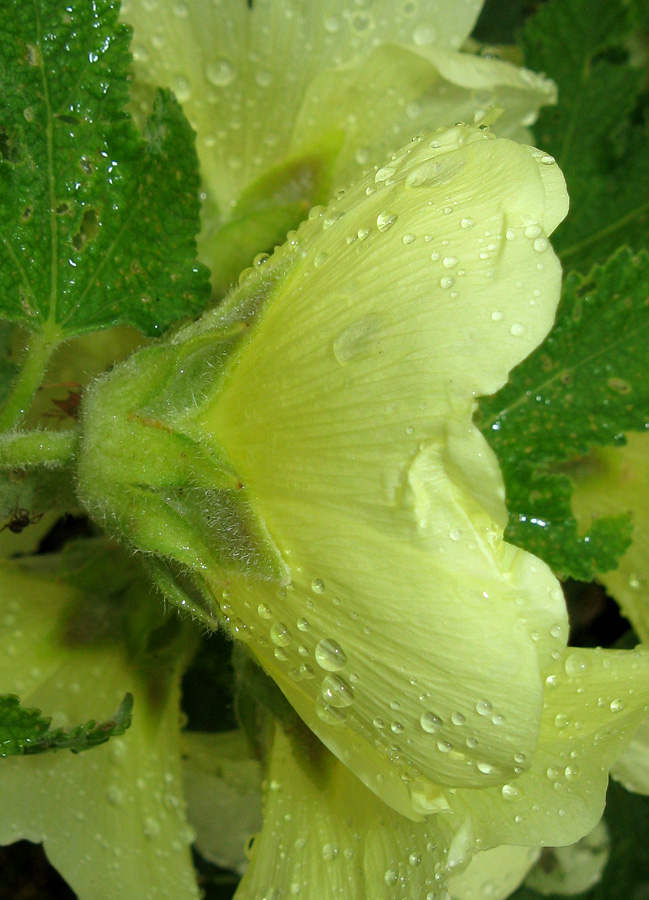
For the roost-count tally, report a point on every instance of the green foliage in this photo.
(97, 222)
(26, 731)
(598, 131)
(582, 388)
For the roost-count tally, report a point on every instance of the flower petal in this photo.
(594, 702)
(383, 499)
(326, 836)
(493, 873)
(112, 818)
(223, 788)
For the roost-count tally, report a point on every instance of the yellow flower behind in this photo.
(293, 99)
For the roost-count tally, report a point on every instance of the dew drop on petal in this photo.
(336, 692)
(430, 722)
(330, 655)
(220, 72)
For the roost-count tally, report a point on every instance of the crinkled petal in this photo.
(594, 702)
(494, 873)
(326, 836)
(291, 100)
(111, 819)
(609, 481)
(223, 789)
(412, 293)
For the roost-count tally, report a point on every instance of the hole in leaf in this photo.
(87, 229)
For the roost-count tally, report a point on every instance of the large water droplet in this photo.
(220, 72)
(430, 722)
(330, 655)
(336, 692)
(386, 220)
(280, 635)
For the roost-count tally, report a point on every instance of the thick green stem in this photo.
(54, 449)
(28, 380)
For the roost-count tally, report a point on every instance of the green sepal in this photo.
(151, 477)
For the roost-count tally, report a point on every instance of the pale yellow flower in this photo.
(293, 99)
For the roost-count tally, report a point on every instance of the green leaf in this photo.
(26, 731)
(598, 131)
(584, 387)
(97, 222)
(8, 367)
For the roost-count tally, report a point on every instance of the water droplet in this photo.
(318, 586)
(458, 719)
(576, 664)
(430, 722)
(561, 720)
(391, 877)
(467, 223)
(423, 34)
(302, 624)
(571, 772)
(378, 723)
(386, 220)
(510, 792)
(449, 261)
(517, 329)
(486, 768)
(362, 233)
(533, 231)
(115, 795)
(263, 78)
(496, 315)
(280, 635)
(541, 244)
(330, 655)
(220, 72)
(320, 259)
(616, 705)
(483, 708)
(306, 671)
(336, 692)
(329, 714)
(151, 828)
(455, 534)
(446, 282)
(264, 611)
(330, 852)
(409, 238)
(181, 88)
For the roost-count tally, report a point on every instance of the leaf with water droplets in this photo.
(97, 222)
(584, 387)
(598, 130)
